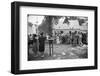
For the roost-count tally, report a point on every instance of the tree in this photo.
(47, 24)
(66, 20)
(30, 24)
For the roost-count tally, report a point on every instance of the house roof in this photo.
(74, 24)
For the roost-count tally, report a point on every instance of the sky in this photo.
(35, 19)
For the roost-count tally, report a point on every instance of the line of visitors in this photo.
(74, 38)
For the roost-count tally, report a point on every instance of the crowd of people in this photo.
(37, 42)
(74, 38)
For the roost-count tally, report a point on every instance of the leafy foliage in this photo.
(30, 24)
(81, 21)
(47, 23)
(66, 20)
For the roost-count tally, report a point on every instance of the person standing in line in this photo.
(57, 40)
(70, 37)
(42, 44)
(35, 49)
(80, 39)
(30, 44)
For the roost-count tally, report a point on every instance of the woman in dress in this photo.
(57, 40)
(42, 44)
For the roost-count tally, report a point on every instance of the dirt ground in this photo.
(61, 51)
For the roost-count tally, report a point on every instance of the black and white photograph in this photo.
(52, 37)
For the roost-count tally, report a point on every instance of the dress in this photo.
(34, 46)
(42, 43)
(58, 40)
